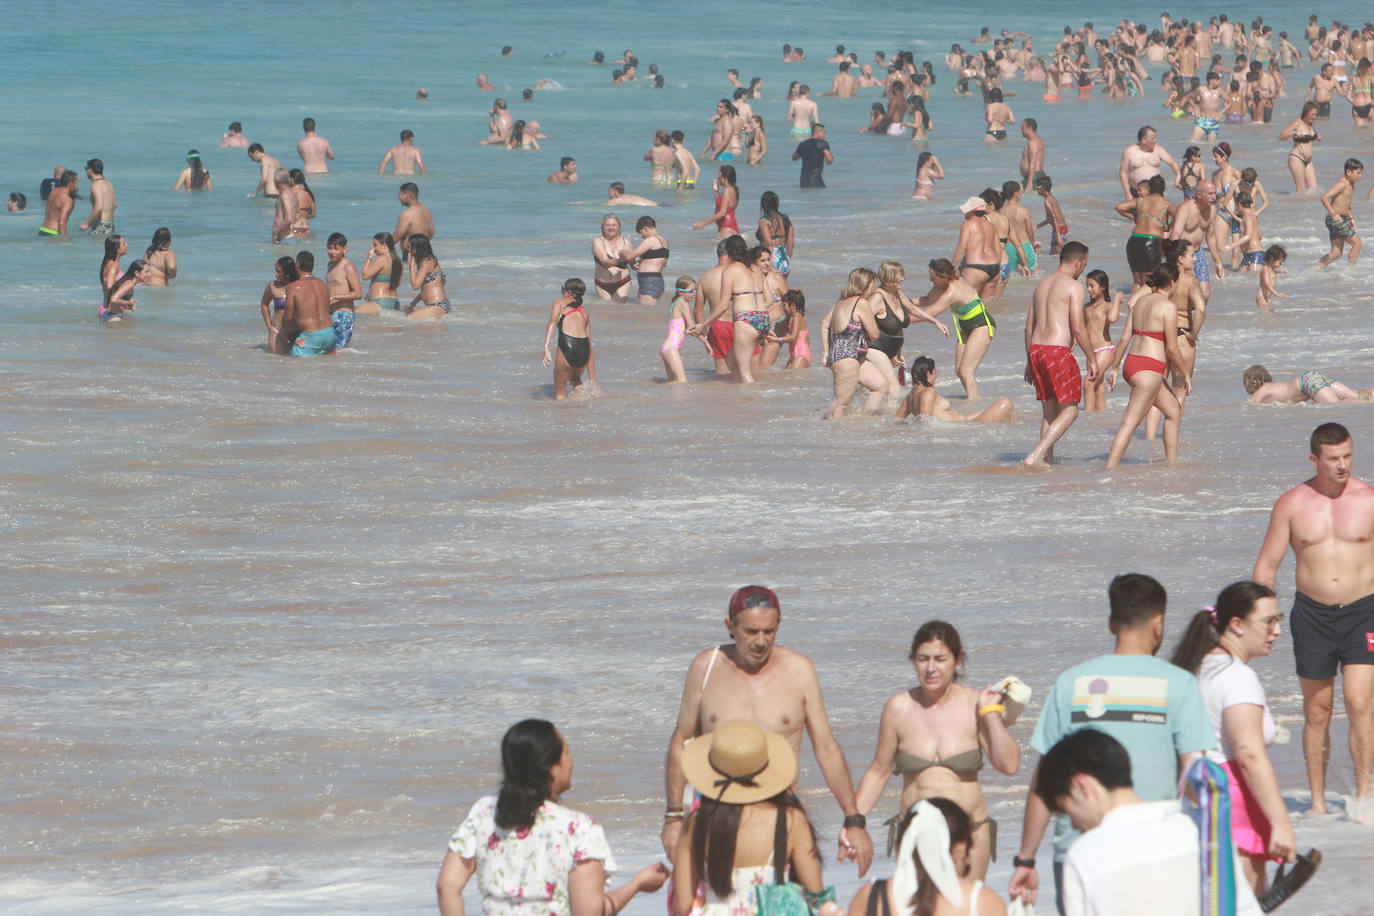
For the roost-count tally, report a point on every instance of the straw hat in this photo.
(739, 763)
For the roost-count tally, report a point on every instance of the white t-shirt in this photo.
(1142, 860)
(1227, 681)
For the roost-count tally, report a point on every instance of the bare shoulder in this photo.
(794, 663)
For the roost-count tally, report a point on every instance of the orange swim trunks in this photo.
(1054, 371)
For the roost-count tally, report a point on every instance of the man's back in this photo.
(1153, 708)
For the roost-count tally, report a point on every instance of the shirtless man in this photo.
(415, 219)
(866, 79)
(235, 136)
(288, 206)
(1141, 160)
(305, 320)
(684, 163)
(720, 335)
(1054, 324)
(1207, 101)
(1033, 156)
(61, 201)
(268, 167)
(500, 123)
(843, 86)
(803, 112)
(1321, 89)
(1191, 221)
(567, 171)
(722, 133)
(1310, 386)
(101, 220)
(345, 288)
(616, 195)
(1340, 221)
(753, 678)
(314, 149)
(1329, 522)
(484, 84)
(404, 157)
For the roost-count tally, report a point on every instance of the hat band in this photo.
(745, 781)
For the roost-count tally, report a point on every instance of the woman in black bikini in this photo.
(1303, 135)
(978, 254)
(652, 256)
(610, 251)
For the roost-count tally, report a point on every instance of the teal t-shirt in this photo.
(1153, 708)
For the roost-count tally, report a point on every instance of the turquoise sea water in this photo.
(266, 622)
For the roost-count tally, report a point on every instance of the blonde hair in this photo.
(860, 280)
(611, 216)
(683, 284)
(891, 272)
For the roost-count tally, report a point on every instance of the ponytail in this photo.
(1204, 630)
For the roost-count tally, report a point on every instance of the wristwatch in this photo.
(856, 820)
(1019, 862)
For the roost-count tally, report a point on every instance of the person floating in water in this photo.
(1310, 386)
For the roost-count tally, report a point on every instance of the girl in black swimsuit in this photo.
(574, 351)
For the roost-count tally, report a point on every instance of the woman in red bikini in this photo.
(1149, 343)
(727, 198)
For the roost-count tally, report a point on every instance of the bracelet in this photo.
(991, 707)
(1019, 862)
(671, 815)
(856, 820)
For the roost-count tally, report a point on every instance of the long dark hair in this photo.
(130, 274)
(418, 246)
(921, 367)
(298, 179)
(162, 240)
(715, 827)
(1204, 632)
(111, 254)
(290, 273)
(529, 751)
(198, 173)
(390, 243)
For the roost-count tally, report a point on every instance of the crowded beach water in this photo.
(268, 618)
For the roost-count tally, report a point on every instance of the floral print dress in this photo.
(524, 872)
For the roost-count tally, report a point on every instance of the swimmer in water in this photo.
(1274, 256)
(1310, 386)
(569, 317)
(382, 272)
(1100, 312)
(928, 170)
(274, 301)
(679, 320)
(924, 401)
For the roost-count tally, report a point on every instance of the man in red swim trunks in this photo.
(720, 335)
(1053, 324)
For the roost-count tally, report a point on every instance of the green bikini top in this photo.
(966, 764)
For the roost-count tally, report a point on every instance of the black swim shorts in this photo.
(1327, 635)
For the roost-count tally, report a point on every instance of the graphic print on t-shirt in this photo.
(1117, 698)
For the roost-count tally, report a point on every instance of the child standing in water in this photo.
(1274, 256)
(679, 319)
(1054, 217)
(569, 317)
(1100, 312)
(798, 334)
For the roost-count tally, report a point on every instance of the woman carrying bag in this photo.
(749, 829)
